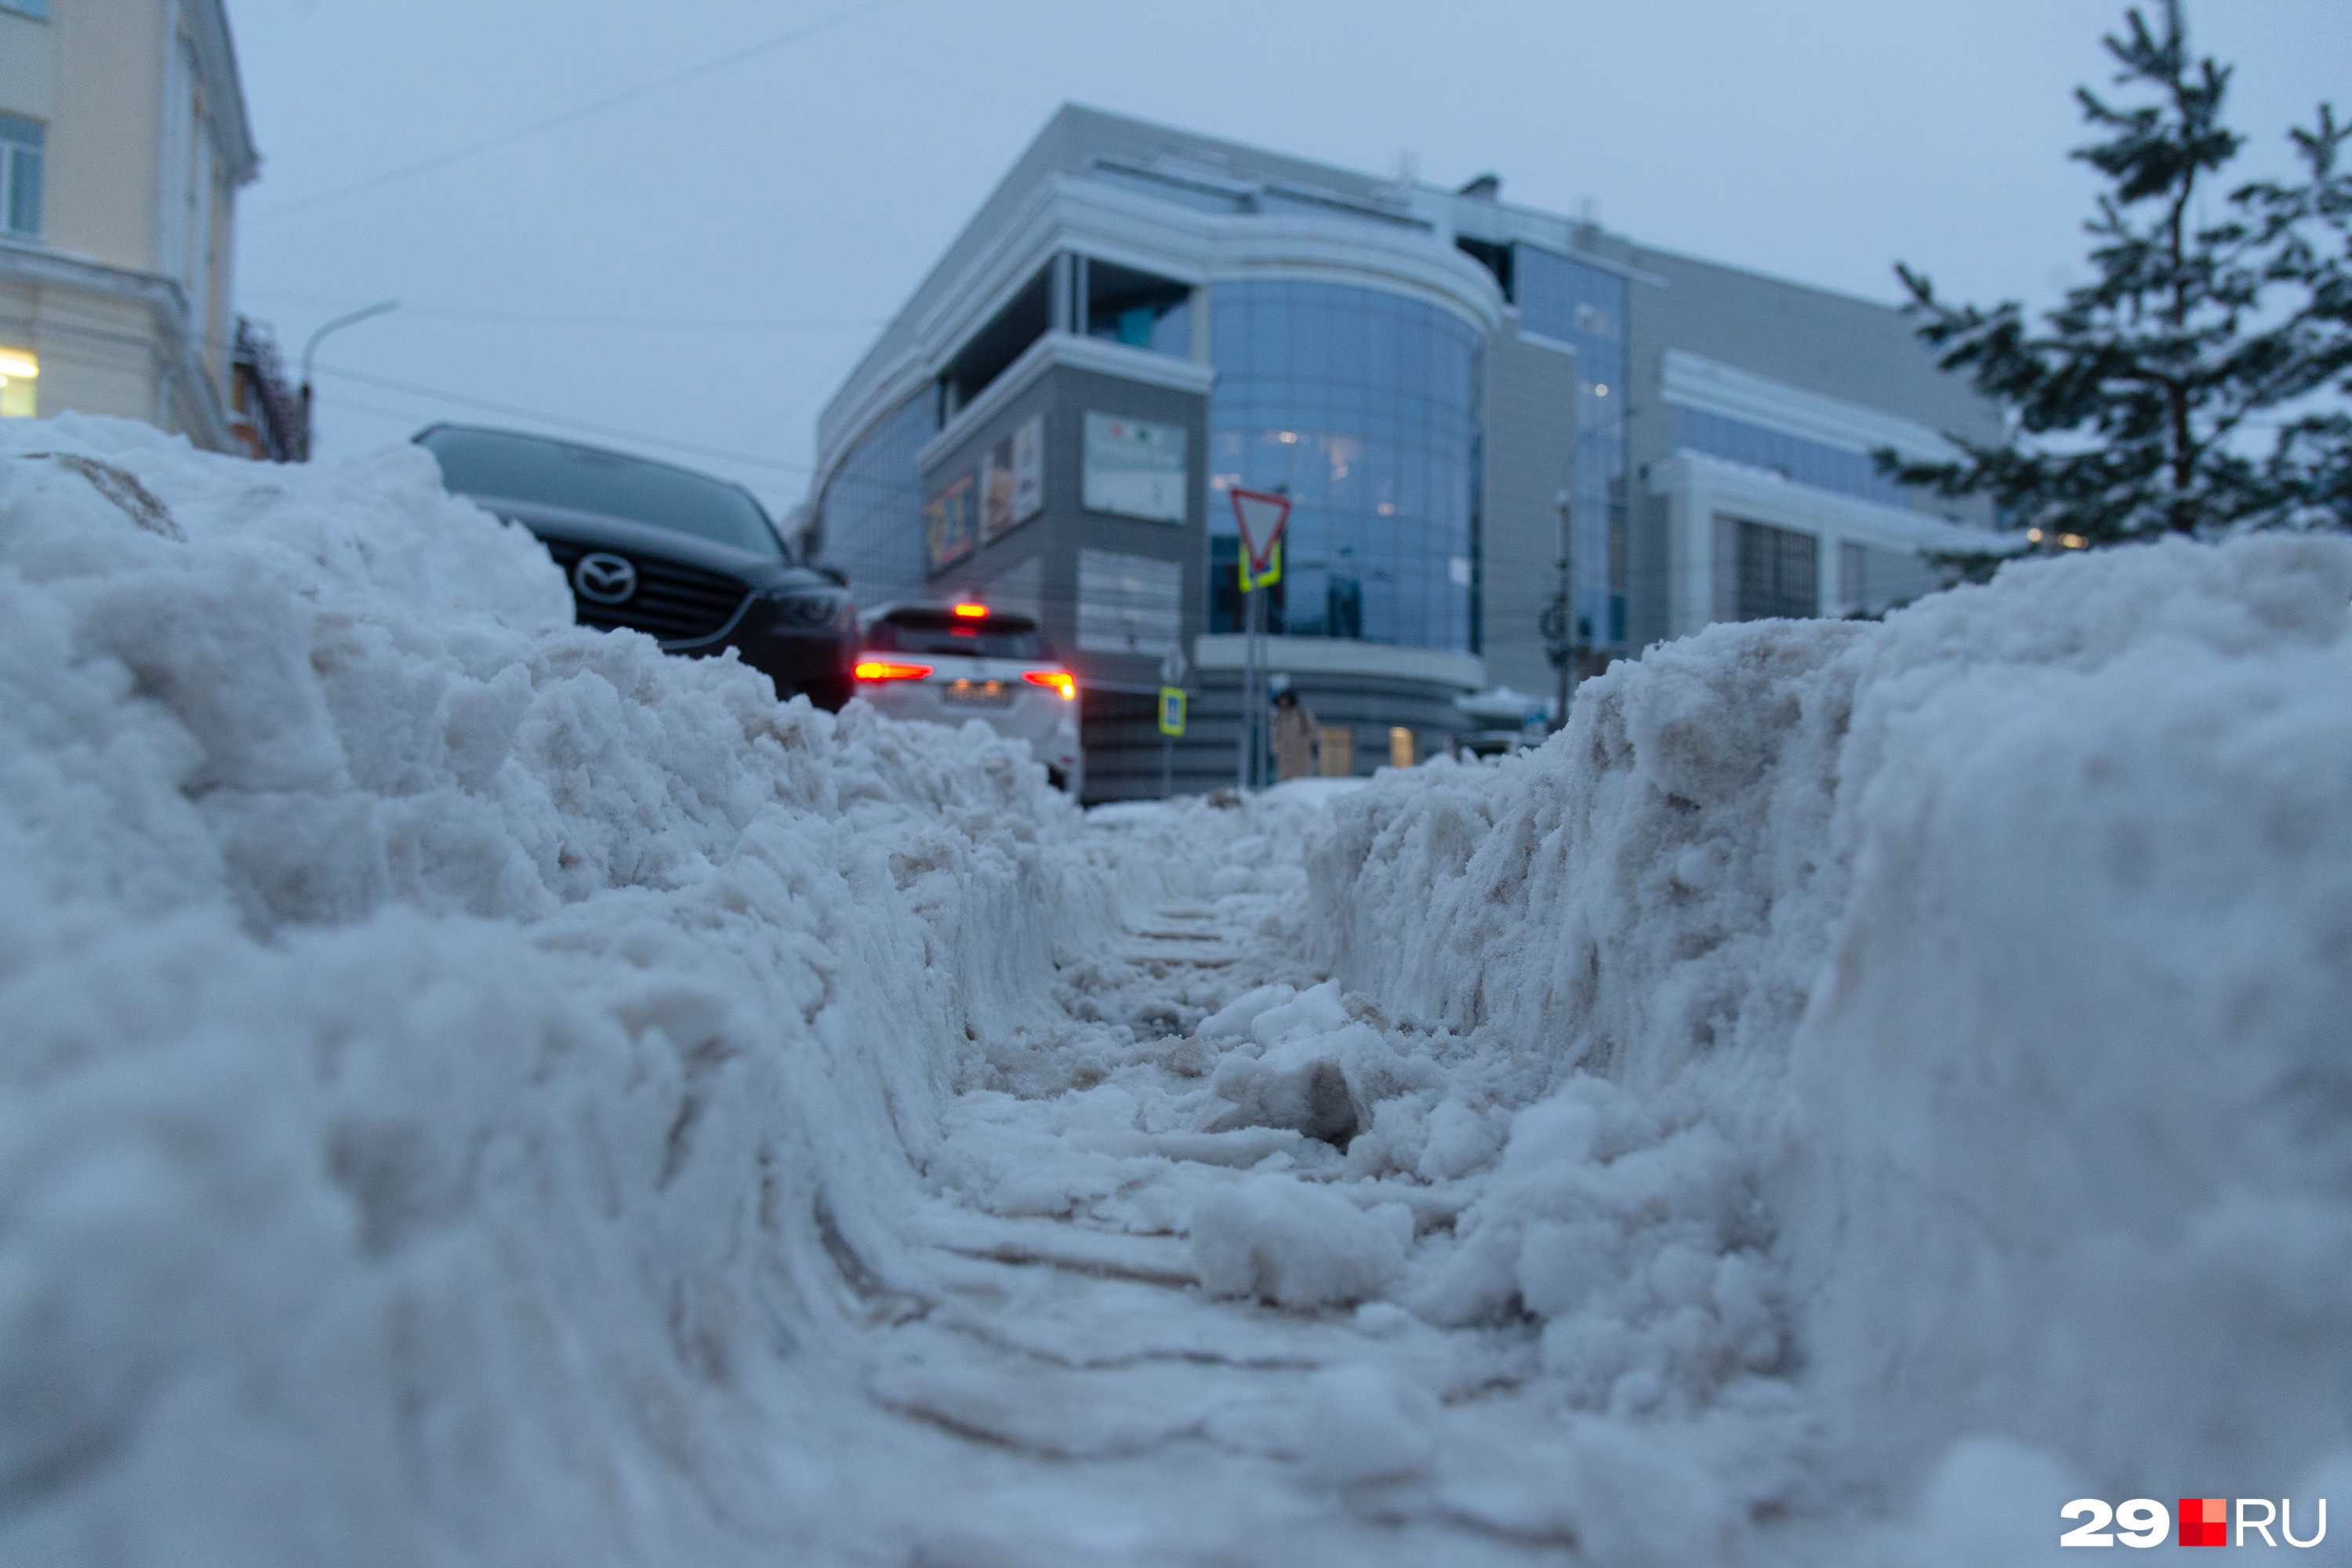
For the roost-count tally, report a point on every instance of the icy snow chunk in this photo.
(1297, 1243)
(1460, 1141)
(1236, 1017)
(1305, 1084)
(1361, 1424)
(1313, 1012)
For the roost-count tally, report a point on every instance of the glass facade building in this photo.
(1421, 371)
(1363, 406)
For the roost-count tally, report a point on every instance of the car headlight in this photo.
(810, 608)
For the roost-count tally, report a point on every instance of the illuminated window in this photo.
(20, 372)
(22, 149)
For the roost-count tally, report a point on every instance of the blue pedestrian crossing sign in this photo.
(1172, 710)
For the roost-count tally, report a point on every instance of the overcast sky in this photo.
(702, 263)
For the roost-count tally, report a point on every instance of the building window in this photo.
(1140, 309)
(1780, 572)
(990, 351)
(20, 372)
(22, 149)
(1871, 581)
(1790, 456)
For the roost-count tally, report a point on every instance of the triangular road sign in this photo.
(1262, 516)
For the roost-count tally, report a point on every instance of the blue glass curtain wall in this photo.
(873, 510)
(1365, 407)
(1584, 306)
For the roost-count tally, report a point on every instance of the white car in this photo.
(951, 663)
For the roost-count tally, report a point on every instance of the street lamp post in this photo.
(1559, 616)
(378, 309)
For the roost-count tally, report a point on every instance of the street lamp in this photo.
(378, 309)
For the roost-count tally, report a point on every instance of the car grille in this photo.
(673, 603)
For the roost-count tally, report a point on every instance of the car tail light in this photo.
(1061, 680)
(883, 669)
(971, 612)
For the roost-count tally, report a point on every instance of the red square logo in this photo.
(2204, 1521)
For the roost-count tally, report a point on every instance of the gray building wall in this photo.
(1053, 539)
(1854, 350)
(1529, 451)
(1035, 567)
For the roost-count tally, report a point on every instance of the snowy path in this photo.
(1142, 1312)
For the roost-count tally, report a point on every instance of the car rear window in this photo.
(556, 473)
(924, 631)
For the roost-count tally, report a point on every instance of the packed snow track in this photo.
(474, 1090)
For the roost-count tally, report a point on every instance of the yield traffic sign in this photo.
(1262, 516)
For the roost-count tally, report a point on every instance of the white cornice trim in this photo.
(1131, 364)
(224, 93)
(35, 263)
(1760, 495)
(1344, 656)
(1695, 381)
(1538, 340)
(1077, 353)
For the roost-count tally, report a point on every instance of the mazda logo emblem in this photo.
(606, 579)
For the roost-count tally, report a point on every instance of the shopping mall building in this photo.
(1453, 391)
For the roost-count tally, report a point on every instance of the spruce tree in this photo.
(2145, 405)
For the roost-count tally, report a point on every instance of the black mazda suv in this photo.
(687, 559)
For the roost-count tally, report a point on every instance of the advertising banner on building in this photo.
(949, 522)
(1013, 480)
(1135, 468)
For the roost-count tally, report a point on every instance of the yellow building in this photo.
(122, 143)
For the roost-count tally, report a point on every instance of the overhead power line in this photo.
(569, 116)
(536, 317)
(565, 420)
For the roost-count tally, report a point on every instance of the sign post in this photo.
(1262, 515)
(1172, 718)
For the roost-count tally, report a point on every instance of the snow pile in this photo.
(1942, 1022)
(460, 1071)
(487, 1091)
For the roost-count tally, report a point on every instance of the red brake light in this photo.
(971, 612)
(883, 669)
(1061, 680)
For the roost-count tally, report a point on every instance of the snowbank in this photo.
(1944, 1018)
(486, 1090)
(459, 1070)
